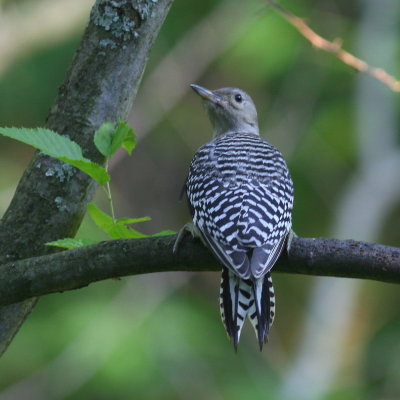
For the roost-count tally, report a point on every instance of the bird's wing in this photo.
(265, 223)
(265, 257)
(241, 207)
(216, 215)
(236, 261)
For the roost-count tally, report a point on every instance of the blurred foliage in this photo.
(382, 361)
(38, 74)
(160, 336)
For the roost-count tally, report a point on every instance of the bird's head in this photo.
(230, 110)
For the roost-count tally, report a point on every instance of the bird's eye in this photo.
(238, 98)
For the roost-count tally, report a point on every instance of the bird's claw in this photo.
(187, 228)
(291, 236)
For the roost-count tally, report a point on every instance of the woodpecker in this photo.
(240, 196)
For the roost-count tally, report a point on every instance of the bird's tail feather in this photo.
(244, 297)
(262, 311)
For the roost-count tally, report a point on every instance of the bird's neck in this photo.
(248, 129)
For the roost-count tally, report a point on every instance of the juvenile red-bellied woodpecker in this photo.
(240, 195)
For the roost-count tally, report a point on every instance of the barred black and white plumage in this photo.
(240, 194)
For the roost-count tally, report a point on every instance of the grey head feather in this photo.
(231, 110)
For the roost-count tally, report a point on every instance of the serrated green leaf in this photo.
(101, 219)
(95, 171)
(113, 230)
(126, 221)
(108, 138)
(125, 232)
(46, 140)
(70, 243)
(59, 147)
(129, 143)
(119, 136)
(103, 138)
(167, 232)
(125, 137)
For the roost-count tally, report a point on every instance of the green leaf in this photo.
(58, 146)
(108, 138)
(113, 230)
(69, 243)
(164, 233)
(126, 221)
(95, 171)
(45, 140)
(125, 137)
(101, 219)
(125, 232)
(103, 138)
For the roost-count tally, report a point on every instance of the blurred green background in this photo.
(160, 336)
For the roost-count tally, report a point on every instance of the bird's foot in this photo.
(291, 236)
(187, 228)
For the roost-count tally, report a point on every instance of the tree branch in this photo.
(335, 48)
(101, 84)
(76, 268)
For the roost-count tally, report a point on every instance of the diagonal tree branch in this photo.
(76, 268)
(101, 84)
(335, 47)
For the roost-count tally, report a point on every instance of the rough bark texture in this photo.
(77, 268)
(51, 197)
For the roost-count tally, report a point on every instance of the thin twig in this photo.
(335, 47)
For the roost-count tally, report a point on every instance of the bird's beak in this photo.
(207, 94)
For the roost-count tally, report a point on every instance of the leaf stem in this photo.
(107, 189)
